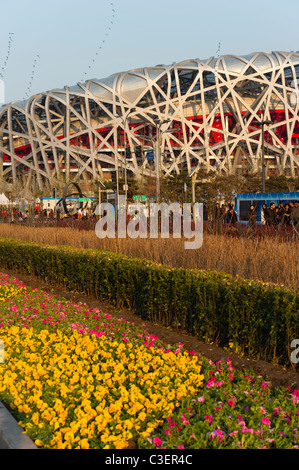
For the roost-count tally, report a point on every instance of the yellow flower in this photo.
(120, 444)
(91, 396)
(84, 444)
(142, 416)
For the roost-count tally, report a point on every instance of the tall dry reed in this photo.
(267, 260)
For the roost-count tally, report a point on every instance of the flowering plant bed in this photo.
(75, 377)
(258, 319)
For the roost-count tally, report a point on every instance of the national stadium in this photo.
(216, 115)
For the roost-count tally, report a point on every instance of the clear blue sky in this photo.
(81, 39)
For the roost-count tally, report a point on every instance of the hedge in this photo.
(261, 320)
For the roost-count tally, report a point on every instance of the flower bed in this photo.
(76, 378)
(258, 319)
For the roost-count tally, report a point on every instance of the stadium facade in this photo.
(214, 108)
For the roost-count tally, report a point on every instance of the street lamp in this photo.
(263, 123)
(124, 121)
(157, 149)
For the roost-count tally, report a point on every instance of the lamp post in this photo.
(157, 149)
(158, 156)
(124, 121)
(263, 123)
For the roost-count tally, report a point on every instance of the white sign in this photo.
(1, 352)
(139, 219)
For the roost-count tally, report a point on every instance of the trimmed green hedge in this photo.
(259, 319)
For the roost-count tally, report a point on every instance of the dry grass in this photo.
(268, 260)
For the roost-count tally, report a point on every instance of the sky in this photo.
(47, 44)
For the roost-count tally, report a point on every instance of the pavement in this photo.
(11, 434)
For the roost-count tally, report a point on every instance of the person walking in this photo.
(272, 219)
(286, 218)
(280, 211)
(231, 216)
(217, 217)
(252, 216)
(265, 214)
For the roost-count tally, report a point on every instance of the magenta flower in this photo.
(184, 420)
(266, 421)
(265, 384)
(209, 418)
(217, 433)
(157, 441)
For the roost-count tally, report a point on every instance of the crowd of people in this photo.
(80, 213)
(15, 215)
(283, 214)
(7, 215)
(222, 215)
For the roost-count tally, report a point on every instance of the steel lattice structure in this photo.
(87, 129)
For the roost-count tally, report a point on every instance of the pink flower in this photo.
(171, 423)
(265, 384)
(266, 421)
(217, 433)
(231, 403)
(249, 430)
(157, 441)
(209, 418)
(201, 399)
(241, 421)
(184, 420)
(296, 396)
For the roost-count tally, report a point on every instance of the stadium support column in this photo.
(66, 135)
(11, 146)
(157, 164)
